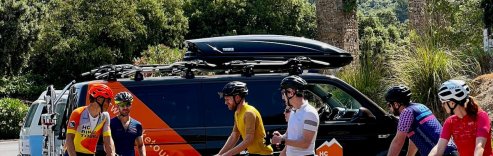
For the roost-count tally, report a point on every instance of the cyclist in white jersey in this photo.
(303, 120)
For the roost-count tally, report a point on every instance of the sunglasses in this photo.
(285, 91)
(123, 103)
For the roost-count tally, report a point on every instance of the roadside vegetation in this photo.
(12, 113)
(52, 42)
(391, 54)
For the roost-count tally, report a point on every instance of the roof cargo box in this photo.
(219, 50)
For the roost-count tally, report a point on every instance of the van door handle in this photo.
(383, 136)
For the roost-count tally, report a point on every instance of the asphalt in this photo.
(9, 147)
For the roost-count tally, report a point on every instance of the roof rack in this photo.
(187, 69)
(113, 72)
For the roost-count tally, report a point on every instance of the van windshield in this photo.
(334, 96)
(30, 115)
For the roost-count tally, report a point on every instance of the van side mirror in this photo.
(363, 115)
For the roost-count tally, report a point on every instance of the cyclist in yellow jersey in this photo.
(88, 122)
(248, 123)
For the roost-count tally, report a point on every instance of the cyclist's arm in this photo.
(310, 127)
(73, 124)
(411, 149)
(109, 146)
(405, 120)
(397, 143)
(283, 152)
(303, 143)
(232, 140)
(139, 141)
(249, 121)
(439, 149)
(482, 132)
(479, 149)
(70, 144)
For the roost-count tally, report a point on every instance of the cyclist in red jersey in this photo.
(468, 125)
(87, 123)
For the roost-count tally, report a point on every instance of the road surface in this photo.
(9, 147)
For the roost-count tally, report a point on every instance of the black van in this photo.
(183, 115)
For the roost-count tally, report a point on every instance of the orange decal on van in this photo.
(150, 121)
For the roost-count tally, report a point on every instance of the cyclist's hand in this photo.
(276, 139)
(276, 133)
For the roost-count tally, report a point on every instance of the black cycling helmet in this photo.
(124, 97)
(234, 88)
(294, 82)
(398, 93)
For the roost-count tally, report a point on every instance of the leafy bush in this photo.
(12, 112)
(240, 17)
(368, 79)
(19, 28)
(424, 68)
(482, 58)
(160, 54)
(80, 35)
(23, 87)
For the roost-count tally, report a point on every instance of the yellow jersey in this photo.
(258, 146)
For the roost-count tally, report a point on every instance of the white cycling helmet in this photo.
(453, 90)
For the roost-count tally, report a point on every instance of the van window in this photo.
(60, 106)
(44, 111)
(263, 95)
(30, 115)
(343, 106)
(334, 96)
(179, 105)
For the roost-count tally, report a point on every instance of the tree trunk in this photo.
(417, 16)
(337, 27)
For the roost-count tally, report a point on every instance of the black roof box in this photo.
(219, 50)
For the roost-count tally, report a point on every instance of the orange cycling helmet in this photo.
(102, 90)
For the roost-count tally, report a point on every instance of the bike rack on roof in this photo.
(247, 68)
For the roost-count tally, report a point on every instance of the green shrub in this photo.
(22, 87)
(481, 58)
(367, 78)
(425, 68)
(160, 54)
(12, 113)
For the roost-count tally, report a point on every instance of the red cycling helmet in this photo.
(102, 90)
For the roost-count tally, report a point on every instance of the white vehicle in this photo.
(31, 134)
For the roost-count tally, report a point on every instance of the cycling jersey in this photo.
(125, 138)
(304, 118)
(79, 124)
(465, 131)
(258, 145)
(422, 128)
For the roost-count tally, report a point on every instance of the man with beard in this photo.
(248, 123)
(126, 131)
(416, 122)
